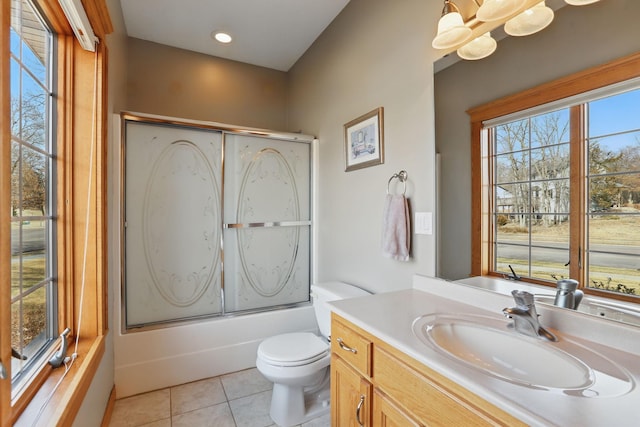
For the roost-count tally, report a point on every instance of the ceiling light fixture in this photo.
(451, 28)
(530, 21)
(222, 37)
(479, 48)
(526, 17)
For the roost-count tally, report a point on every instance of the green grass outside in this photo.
(607, 277)
(34, 308)
(33, 272)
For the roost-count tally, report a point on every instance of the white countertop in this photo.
(389, 316)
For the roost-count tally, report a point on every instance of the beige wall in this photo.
(179, 83)
(578, 38)
(376, 53)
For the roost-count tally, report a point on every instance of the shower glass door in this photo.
(197, 196)
(172, 223)
(267, 222)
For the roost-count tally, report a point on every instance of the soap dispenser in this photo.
(567, 294)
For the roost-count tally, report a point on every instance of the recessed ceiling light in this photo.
(222, 37)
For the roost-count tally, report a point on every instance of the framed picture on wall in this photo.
(363, 141)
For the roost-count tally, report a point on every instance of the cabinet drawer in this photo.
(351, 346)
(430, 401)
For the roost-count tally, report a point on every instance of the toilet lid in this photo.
(293, 349)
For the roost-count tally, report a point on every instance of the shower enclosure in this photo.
(217, 221)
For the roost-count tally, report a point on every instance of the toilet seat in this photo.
(294, 349)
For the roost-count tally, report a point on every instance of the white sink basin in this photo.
(487, 344)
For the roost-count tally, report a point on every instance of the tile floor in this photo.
(240, 399)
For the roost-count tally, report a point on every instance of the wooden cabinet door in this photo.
(350, 396)
(386, 414)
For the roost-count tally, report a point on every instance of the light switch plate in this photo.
(423, 223)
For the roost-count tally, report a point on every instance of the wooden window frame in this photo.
(613, 72)
(81, 118)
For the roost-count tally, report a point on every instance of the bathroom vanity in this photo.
(374, 384)
(384, 373)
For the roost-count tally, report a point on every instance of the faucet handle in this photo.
(523, 299)
(568, 285)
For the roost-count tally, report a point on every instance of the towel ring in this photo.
(402, 176)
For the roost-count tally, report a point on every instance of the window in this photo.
(530, 189)
(33, 287)
(613, 183)
(557, 182)
(52, 189)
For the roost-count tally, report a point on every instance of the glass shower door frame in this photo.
(227, 132)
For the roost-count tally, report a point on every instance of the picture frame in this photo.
(364, 141)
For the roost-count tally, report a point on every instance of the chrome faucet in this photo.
(525, 317)
(567, 294)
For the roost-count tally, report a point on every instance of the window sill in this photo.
(67, 399)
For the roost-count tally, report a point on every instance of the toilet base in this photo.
(301, 407)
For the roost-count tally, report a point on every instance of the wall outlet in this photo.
(423, 223)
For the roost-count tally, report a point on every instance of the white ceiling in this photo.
(268, 33)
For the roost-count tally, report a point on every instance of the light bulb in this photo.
(222, 37)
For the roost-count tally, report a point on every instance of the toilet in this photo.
(298, 363)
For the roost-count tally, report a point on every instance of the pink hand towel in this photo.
(396, 233)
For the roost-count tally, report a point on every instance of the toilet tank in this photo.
(331, 291)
